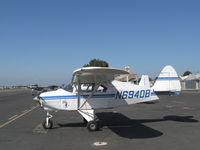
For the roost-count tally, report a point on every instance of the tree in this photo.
(187, 73)
(97, 63)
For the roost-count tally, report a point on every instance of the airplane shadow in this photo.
(131, 128)
(126, 127)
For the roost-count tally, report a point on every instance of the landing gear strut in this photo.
(48, 124)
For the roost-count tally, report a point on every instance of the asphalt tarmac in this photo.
(171, 124)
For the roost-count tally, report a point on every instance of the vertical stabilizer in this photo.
(167, 81)
(145, 81)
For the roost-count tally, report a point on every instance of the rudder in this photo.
(167, 82)
(144, 81)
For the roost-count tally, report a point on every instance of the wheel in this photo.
(92, 126)
(49, 125)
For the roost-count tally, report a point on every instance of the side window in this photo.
(91, 87)
(102, 88)
(87, 87)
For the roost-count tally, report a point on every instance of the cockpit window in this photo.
(91, 88)
(104, 88)
(87, 87)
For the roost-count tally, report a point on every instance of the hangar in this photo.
(190, 82)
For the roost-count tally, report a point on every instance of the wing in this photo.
(87, 75)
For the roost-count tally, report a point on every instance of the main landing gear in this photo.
(48, 124)
(89, 119)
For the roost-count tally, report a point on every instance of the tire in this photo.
(92, 126)
(49, 126)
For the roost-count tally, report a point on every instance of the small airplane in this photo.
(94, 88)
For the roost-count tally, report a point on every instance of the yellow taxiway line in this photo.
(15, 117)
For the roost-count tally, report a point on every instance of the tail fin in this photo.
(145, 81)
(167, 81)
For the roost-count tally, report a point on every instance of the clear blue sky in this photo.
(43, 41)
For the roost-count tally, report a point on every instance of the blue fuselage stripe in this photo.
(167, 92)
(168, 78)
(75, 96)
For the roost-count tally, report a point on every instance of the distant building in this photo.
(130, 78)
(190, 82)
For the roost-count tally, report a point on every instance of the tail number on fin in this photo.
(133, 94)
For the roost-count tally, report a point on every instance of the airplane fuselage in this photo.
(117, 94)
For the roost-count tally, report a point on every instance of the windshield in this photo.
(68, 88)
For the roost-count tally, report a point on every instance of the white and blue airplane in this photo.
(94, 88)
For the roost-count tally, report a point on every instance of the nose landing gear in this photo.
(48, 124)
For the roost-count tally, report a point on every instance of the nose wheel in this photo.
(48, 124)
